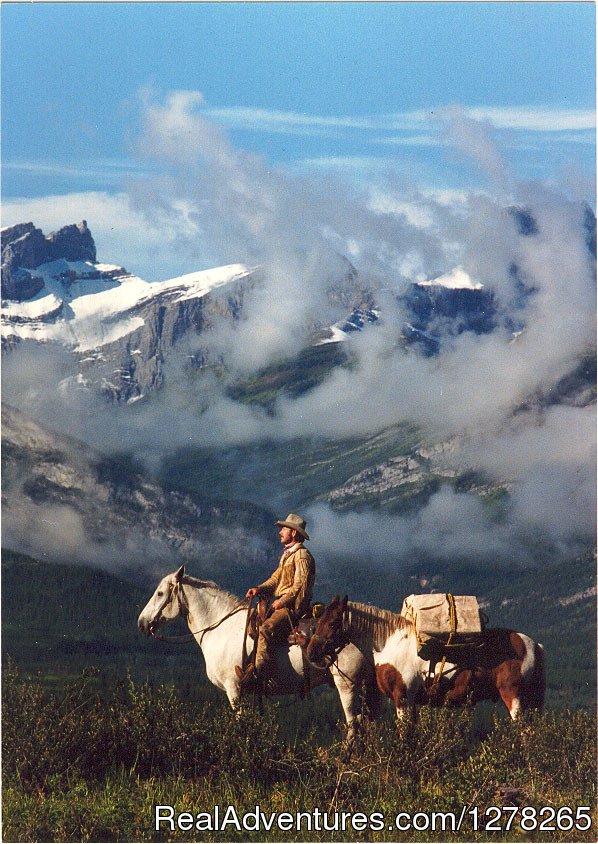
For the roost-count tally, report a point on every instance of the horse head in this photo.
(330, 635)
(164, 605)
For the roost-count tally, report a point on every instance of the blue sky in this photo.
(354, 88)
(293, 136)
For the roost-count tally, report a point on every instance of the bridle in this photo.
(332, 647)
(175, 589)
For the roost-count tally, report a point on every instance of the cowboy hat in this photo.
(294, 523)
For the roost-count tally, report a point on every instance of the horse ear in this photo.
(344, 602)
(179, 573)
(334, 601)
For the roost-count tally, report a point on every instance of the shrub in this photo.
(81, 765)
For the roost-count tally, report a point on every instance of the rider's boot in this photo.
(248, 678)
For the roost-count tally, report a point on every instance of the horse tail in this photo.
(534, 677)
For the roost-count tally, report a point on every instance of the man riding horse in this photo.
(291, 589)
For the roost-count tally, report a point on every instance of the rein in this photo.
(187, 637)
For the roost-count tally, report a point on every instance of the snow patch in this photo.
(101, 303)
(456, 279)
(33, 309)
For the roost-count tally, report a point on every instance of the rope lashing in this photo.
(453, 622)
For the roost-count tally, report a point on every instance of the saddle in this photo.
(300, 635)
(303, 631)
(257, 616)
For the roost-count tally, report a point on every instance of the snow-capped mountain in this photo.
(446, 306)
(119, 327)
(456, 279)
(88, 305)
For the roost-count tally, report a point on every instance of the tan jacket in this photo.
(293, 580)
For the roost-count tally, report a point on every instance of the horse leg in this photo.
(509, 685)
(233, 693)
(462, 687)
(373, 701)
(391, 683)
(534, 687)
(350, 703)
(515, 708)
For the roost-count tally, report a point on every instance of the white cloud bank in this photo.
(153, 247)
(216, 197)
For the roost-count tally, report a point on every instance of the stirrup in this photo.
(248, 677)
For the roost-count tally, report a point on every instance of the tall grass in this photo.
(87, 766)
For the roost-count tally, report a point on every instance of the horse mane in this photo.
(375, 624)
(196, 583)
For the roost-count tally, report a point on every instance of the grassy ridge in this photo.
(80, 766)
(291, 474)
(58, 619)
(290, 378)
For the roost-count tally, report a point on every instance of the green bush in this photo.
(143, 729)
(88, 766)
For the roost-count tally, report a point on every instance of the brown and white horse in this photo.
(504, 665)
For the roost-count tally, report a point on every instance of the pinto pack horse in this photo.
(503, 665)
(217, 620)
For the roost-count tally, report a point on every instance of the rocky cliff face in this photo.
(73, 243)
(133, 366)
(63, 501)
(24, 247)
(439, 310)
(125, 329)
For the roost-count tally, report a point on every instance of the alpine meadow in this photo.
(330, 260)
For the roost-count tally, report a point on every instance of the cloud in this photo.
(527, 118)
(548, 461)
(112, 170)
(411, 141)
(260, 215)
(285, 122)
(213, 197)
(536, 119)
(153, 246)
(455, 527)
(60, 535)
(473, 137)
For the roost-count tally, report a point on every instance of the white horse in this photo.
(504, 665)
(217, 621)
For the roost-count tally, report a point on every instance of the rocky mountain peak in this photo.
(25, 247)
(73, 243)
